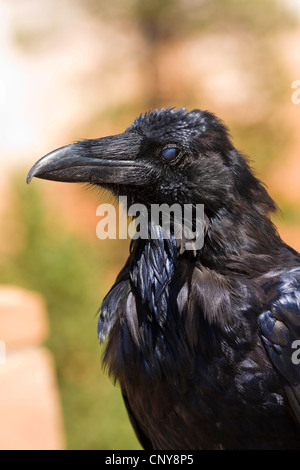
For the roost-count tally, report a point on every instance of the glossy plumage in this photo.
(201, 341)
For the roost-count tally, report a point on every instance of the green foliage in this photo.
(261, 143)
(67, 270)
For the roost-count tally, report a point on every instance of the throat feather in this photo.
(154, 265)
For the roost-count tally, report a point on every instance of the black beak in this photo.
(112, 159)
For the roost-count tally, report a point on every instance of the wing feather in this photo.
(280, 328)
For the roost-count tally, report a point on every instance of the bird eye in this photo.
(169, 154)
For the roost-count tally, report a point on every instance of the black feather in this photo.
(200, 340)
(213, 370)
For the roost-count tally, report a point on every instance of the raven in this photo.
(202, 342)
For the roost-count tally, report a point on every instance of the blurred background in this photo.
(84, 69)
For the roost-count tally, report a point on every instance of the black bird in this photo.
(204, 342)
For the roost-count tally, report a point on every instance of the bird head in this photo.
(166, 156)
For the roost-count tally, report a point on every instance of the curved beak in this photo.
(110, 159)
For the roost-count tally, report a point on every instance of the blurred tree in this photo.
(159, 22)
